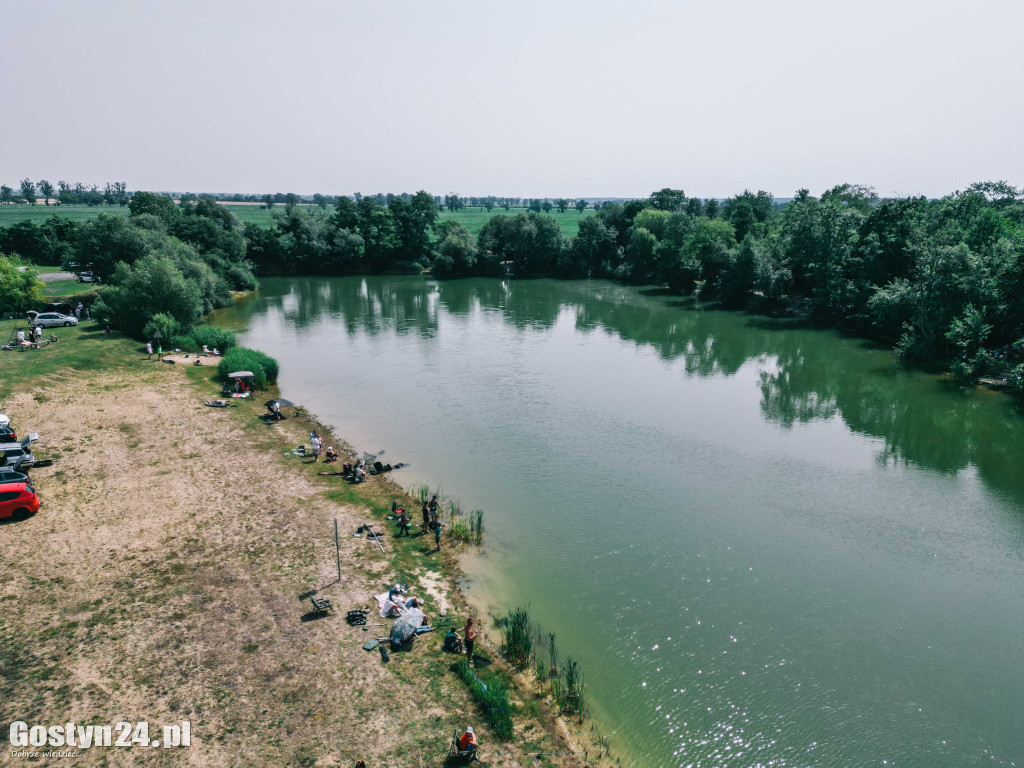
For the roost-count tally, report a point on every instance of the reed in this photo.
(553, 654)
(573, 690)
(476, 525)
(518, 637)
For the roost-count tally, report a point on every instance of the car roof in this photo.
(11, 485)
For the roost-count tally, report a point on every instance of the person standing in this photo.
(437, 536)
(315, 442)
(38, 333)
(403, 524)
(159, 352)
(468, 638)
(88, 313)
(21, 337)
(426, 517)
(149, 350)
(277, 411)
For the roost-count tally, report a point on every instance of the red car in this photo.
(18, 500)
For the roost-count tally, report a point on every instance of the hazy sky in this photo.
(514, 97)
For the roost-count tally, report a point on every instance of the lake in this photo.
(765, 545)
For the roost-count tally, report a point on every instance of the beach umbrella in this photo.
(240, 375)
(406, 625)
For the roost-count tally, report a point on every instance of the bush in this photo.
(165, 324)
(240, 277)
(214, 338)
(186, 343)
(263, 367)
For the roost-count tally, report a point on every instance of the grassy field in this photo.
(12, 214)
(474, 219)
(471, 218)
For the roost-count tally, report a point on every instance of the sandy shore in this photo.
(161, 579)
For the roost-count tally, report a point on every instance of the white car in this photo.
(54, 320)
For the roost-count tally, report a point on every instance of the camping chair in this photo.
(453, 751)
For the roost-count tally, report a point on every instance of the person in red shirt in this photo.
(467, 742)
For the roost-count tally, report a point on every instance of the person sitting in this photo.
(332, 455)
(453, 641)
(467, 742)
(206, 351)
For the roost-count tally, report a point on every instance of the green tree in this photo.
(46, 190)
(581, 205)
(595, 248)
(456, 251)
(640, 254)
(668, 199)
(533, 243)
(20, 289)
(28, 191)
(968, 333)
(562, 204)
(653, 220)
(105, 241)
(547, 206)
(6, 195)
(153, 285)
(738, 280)
(160, 206)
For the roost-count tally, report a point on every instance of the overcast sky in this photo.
(520, 98)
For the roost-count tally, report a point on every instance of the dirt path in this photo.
(160, 582)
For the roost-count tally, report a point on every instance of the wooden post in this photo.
(337, 548)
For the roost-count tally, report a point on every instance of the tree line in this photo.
(65, 193)
(939, 279)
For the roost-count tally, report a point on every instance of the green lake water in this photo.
(766, 546)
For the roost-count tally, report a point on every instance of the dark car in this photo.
(18, 501)
(11, 476)
(8, 435)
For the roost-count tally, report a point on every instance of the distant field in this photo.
(12, 214)
(472, 219)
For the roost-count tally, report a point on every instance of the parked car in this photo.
(10, 476)
(18, 456)
(53, 320)
(18, 501)
(7, 434)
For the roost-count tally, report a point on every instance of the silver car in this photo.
(53, 320)
(18, 456)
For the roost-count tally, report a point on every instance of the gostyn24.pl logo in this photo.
(123, 734)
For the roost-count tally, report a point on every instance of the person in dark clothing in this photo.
(426, 517)
(403, 524)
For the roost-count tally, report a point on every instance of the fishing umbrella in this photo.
(279, 400)
(406, 625)
(241, 375)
